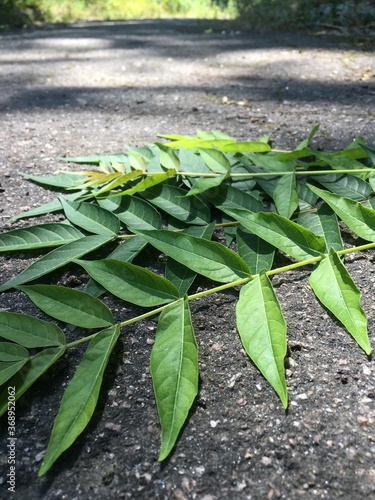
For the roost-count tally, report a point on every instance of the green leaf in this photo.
(360, 219)
(30, 372)
(81, 396)
(191, 162)
(231, 197)
(269, 164)
(370, 152)
(257, 253)
(174, 370)
(30, 332)
(126, 252)
(208, 258)
(7, 369)
(131, 283)
(64, 180)
(11, 353)
(119, 180)
(71, 306)
(262, 329)
(306, 142)
(285, 195)
(324, 223)
(346, 185)
(215, 161)
(46, 208)
(335, 289)
(181, 276)
(148, 182)
(91, 217)
(205, 183)
(97, 159)
(174, 202)
(39, 236)
(339, 161)
(306, 195)
(134, 212)
(245, 147)
(291, 238)
(57, 258)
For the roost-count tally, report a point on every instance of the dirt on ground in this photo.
(96, 87)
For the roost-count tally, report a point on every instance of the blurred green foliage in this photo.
(254, 14)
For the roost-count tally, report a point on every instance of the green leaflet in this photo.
(10, 352)
(129, 249)
(181, 276)
(7, 369)
(57, 258)
(285, 195)
(324, 223)
(35, 367)
(262, 329)
(174, 370)
(191, 162)
(134, 212)
(119, 180)
(64, 180)
(97, 159)
(205, 183)
(360, 219)
(334, 287)
(148, 182)
(131, 283)
(291, 238)
(306, 142)
(81, 396)
(12, 359)
(30, 332)
(71, 306)
(345, 185)
(40, 236)
(91, 217)
(173, 201)
(46, 208)
(208, 258)
(257, 253)
(215, 161)
(231, 197)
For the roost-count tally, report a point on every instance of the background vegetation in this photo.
(257, 14)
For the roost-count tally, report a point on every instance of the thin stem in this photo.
(226, 286)
(271, 174)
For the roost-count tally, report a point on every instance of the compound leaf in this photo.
(81, 396)
(71, 306)
(335, 289)
(262, 330)
(174, 369)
